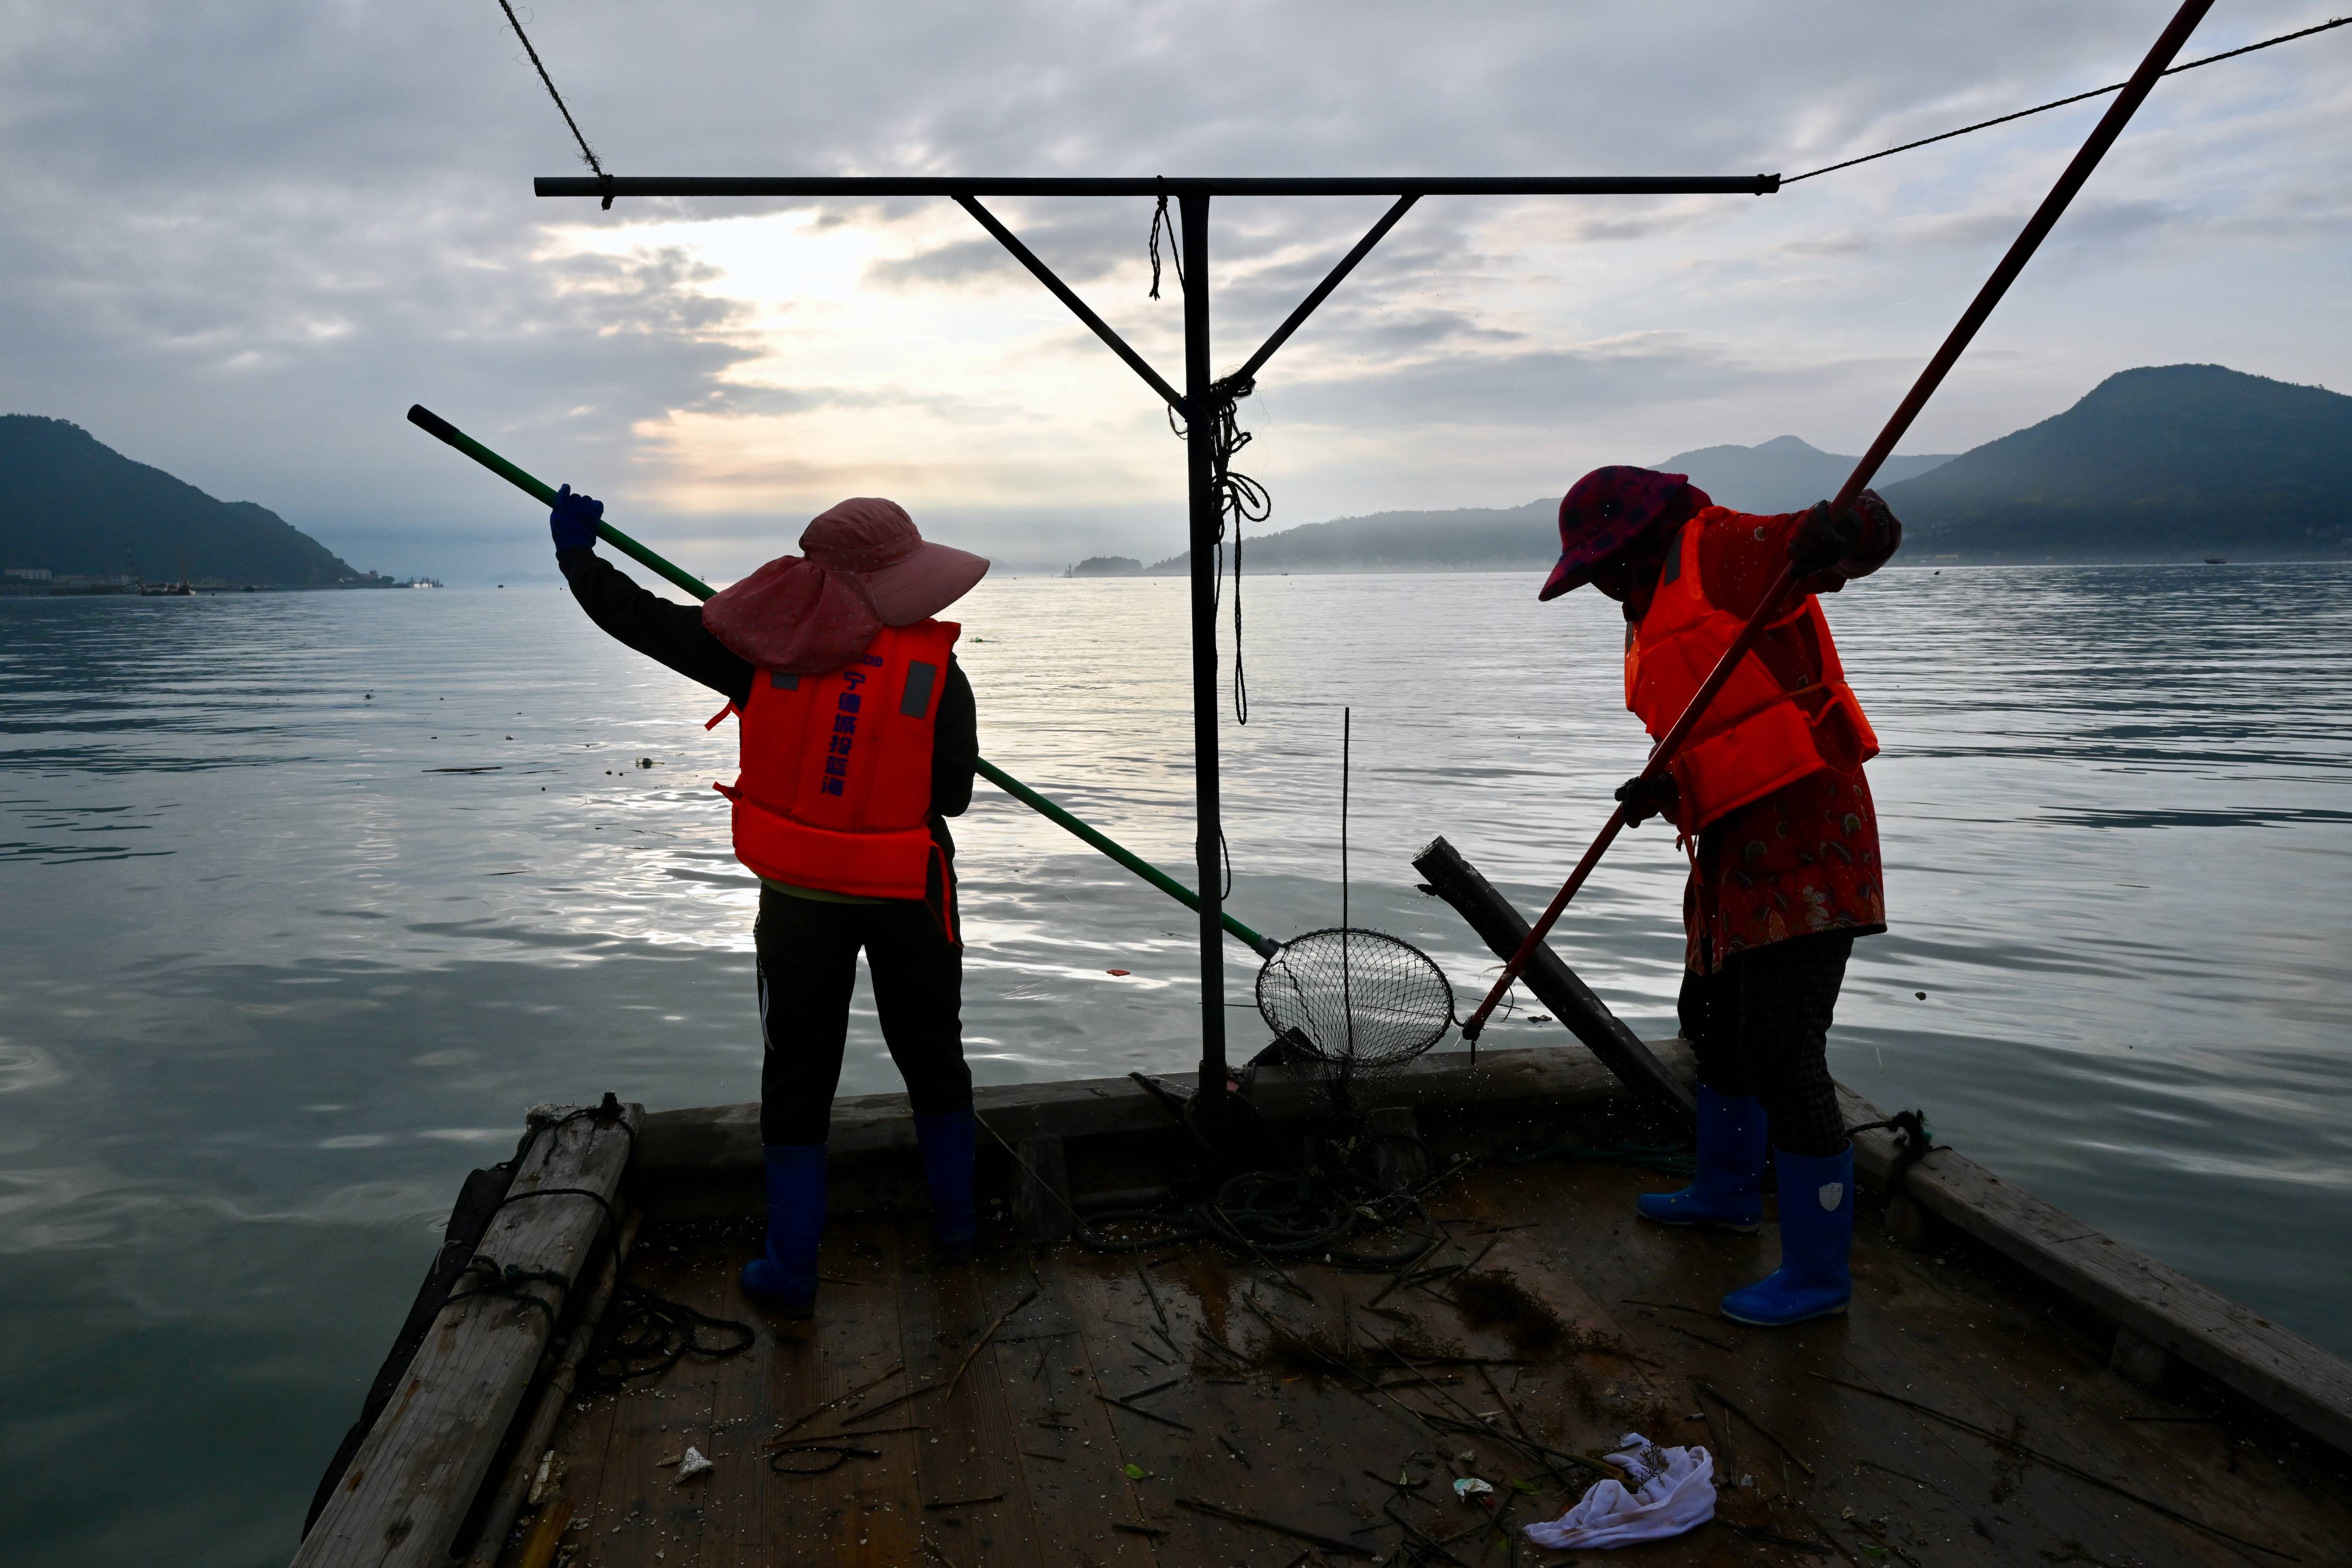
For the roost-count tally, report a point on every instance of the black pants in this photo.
(1760, 1026)
(808, 966)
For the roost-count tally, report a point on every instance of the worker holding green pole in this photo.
(852, 576)
(859, 741)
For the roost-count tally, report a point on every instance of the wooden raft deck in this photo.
(1021, 1461)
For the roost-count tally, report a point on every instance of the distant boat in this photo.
(2217, 560)
(180, 590)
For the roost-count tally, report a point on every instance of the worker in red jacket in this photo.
(1768, 797)
(858, 742)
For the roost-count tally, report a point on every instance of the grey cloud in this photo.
(240, 239)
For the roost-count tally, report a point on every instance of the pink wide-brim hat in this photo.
(908, 576)
(861, 567)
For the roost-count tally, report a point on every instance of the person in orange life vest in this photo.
(858, 742)
(1768, 796)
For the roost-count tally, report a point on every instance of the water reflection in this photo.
(272, 976)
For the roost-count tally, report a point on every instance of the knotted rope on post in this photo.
(1239, 498)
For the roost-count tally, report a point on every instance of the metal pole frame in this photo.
(1196, 405)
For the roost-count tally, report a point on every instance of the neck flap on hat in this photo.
(794, 617)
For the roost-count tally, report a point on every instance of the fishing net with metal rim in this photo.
(1349, 997)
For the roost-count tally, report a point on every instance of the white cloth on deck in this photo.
(1674, 1491)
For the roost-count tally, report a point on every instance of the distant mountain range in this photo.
(1782, 473)
(2167, 463)
(71, 506)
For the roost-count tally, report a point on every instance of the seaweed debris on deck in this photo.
(1186, 1404)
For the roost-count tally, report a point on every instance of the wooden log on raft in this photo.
(2274, 1368)
(1502, 927)
(410, 1486)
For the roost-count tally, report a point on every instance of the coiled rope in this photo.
(1239, 498)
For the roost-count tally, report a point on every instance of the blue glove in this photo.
(573, 522)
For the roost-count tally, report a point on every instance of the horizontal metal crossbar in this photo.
(1366, 185)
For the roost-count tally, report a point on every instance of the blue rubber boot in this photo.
(1816, 1277)
(947, 1145)
(785, 1275)
(1728, 1188)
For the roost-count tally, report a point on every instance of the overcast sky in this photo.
(238, 239)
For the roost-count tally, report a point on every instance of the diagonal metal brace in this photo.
(1323, 290)
(1062, 292)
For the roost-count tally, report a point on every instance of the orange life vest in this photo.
(836, 787)
(1758, 734)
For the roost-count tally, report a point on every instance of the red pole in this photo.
(2037, 228)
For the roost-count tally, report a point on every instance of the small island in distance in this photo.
(1105, 566)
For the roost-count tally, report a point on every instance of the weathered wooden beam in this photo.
(514, 1488)
(409, 1487)
(726, 1137)
(1041, 1211)
(1503, 928)
(2168, 1312)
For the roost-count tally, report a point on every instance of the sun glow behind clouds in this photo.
(984, 392)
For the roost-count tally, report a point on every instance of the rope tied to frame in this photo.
(2328, 25)
(1162, 219)
(587, 153)
(1239, 498)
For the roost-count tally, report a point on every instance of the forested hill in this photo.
(1781, 474)
(2168, 463)
(72, 504)
(1470, 538)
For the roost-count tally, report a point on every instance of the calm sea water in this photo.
(272, 978)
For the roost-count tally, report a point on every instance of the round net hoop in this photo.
(1355, 997)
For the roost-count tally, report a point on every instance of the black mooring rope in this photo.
(1913, 1141)
(2063, 102)
(1239, 498)
(645, 1334)
(587, 153)
(1162, 219)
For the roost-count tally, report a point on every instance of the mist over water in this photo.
(272, 978)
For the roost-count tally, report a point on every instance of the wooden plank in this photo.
(663, 1521)
(865, 1514)
(2275, 1368)
(726, 1137)
(409, 1486)
(968, 1453)
(1765, 1373)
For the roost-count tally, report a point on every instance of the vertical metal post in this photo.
(1199, 418)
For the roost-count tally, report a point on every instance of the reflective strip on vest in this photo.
(836, 788)
(1757, 735)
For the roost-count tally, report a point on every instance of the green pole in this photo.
(433, 425)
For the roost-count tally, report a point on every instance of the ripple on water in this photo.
(272, 978)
